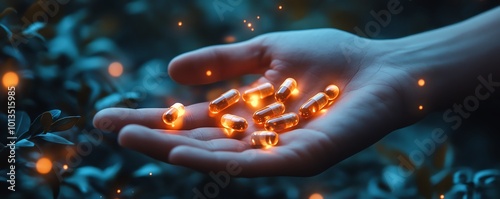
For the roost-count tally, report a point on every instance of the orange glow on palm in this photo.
(208, 73)
(315, 196)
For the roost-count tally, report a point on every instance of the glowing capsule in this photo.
(172, 113)
(259, 92)
(332, 91)
(224, 101)
(233, 122)
(268, 112)
(313, 105)
(286, 89)
(282, 122)
(264, 138)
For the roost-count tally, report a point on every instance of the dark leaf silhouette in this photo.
(22, 123)
(64, 123)
(50, 137)
(7, 11)
(46, 121)
(36, 126)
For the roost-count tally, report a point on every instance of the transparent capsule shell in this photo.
(234, 122)
(224, 101)
(285, 90)
(282, 122)
(175, 111)
(268, 112)
(260, 92)
(313, 105)
(332, 91)
(264, 138)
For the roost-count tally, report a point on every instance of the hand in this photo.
(369, 107)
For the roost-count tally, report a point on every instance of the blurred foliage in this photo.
(61, 50)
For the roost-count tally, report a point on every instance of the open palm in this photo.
(370, 105)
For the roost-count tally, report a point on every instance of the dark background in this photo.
(62, 54)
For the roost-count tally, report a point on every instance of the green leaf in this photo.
(25, 143)
(46, 121)
(22, 123)
(50, 137)
(64, 123)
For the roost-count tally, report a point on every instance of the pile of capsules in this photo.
(272, 117)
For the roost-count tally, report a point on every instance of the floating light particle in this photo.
(118, 191)
(43, 165)
(441, 196)
(315, 196)
(252, 29)
(208, 73)
(258, 17)
(421, 82)
(115, 69)
(280, 7)
(244, 21)
(249, 25)
(229, 39)
(150, 173)
(65, 167)
(179, 23)
(420, 107)
(10, 79)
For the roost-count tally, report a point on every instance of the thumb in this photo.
(221, 62)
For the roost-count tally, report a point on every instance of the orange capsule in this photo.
(332, 91)
(233, 122)
(224, 101)
(175, 111)
(313, 105)
(286, 89)
(270, 111)
(264, 138)
(259, 92)
(282, 122)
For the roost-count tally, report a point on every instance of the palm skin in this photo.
(370, 105)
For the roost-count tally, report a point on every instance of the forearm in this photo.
(455, 61)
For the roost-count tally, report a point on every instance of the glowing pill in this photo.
(313, 105)
(268, 112)
(259, 92)
(175, 111)
(224, 101)
(282, 122)
(332, 91)
(233, 122)
(286, 89)
(264, 138)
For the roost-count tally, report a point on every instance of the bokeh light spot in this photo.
(421, 82)
(208, 73)
(315, 196)
(280, 7)
(43, 165)
(179, 23)
(115, 69)
(420, 107)
(10, 79)
(118, 191)
(295, 92)
(65, 167)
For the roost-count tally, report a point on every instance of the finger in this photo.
(215, 63)
(114, 119)
(158, 144)
(275, 161)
